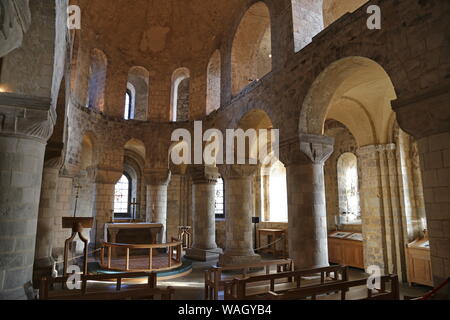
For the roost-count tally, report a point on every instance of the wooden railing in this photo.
(237, 289)
(142, 291)
(215, 280)
(174, 254)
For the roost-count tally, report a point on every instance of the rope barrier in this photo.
(73, 258)
(434, 291)
(257, 249)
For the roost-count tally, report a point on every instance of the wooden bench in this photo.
(342, 287)
(141, 291)
(215, 280)
(238, 288)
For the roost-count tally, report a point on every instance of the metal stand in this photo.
(255, 221)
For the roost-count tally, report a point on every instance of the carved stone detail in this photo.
(236, 171)
(104, 175)
(317, 148)
(155, 177)
(204, 174)
(26, 116)
(376, 148)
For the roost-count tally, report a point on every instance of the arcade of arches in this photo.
(86, 118)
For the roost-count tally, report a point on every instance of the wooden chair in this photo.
(238, 288)
(342, 287)
(142, 291)
(215, 280)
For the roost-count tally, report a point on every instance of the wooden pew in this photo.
(238, 288)
(342, 287)
(215, 280)
(142, 291)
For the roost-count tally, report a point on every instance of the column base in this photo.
(230, 260)
(42, 268)
(202, 255)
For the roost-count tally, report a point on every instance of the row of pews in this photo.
(115, 287)
(277, 280)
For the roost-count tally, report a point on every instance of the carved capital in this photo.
(54, 163)
(26, 117)
(290, 152)
(156, 177)
(104, 175)
(317, 148)
(426, 114)
(236, 171)
(203, 174)
(376, 148)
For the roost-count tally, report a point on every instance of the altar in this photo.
(112, 230)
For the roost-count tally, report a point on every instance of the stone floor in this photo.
(191, 287)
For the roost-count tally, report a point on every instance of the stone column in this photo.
(26, 123)
(46, 220)
(308, 237)
(204, 181)
(379, 207)
(105, 183)
(426, 117)
(157, 181)
(239, 210)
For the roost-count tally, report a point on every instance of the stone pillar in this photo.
(239, 210)
(204, 181)
(426, 117)
(46, 220)
(105, 183)
(308, 237)
(381, 225)
(26, 123)
(157, 181)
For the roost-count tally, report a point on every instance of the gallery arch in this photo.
(251, 55)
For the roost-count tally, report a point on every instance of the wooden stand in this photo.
(185, 236)
(346, 251)
(77, 225)
(419, 262)
(273, 235)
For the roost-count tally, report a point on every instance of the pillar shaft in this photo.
(46, 219)
(425, 117)
(27, 124)
(105, 183)
(204, 181)
(157, 181)
(308, 244)
(239, 211)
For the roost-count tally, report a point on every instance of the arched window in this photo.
(122, 197)
(180, 98)
(213, 82)
(97, 80)
(307, 20)
(278, 193)
(220, 199)
(334, 9)
(251, 55)
(138, 84)
(129, 106)
(348, 189)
